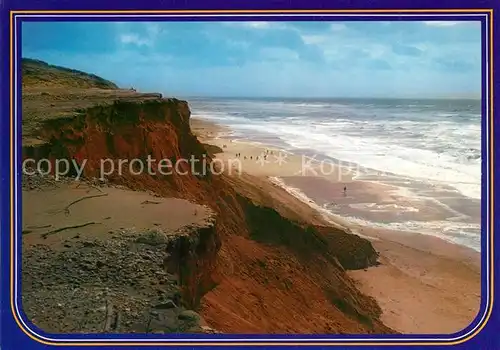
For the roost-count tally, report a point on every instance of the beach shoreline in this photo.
(425, 284)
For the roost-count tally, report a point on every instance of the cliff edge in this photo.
(262, 265)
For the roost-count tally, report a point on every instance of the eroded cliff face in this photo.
(254, 271)
(192, 258)
(121, 131)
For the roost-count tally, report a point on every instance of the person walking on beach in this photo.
(345, 190)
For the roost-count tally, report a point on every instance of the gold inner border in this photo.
(343, 342)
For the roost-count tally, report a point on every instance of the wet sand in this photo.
(424, 284)
(371, 201)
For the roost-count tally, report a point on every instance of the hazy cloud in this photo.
(349, 58)
(441, 23)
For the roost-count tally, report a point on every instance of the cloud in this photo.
(406, 50)
(153, 29)
(336, 27)
(441, 23)
(375, 50)
(378, 64)
(313, 39)
(252, 25)
(317, 58)
(453, 64)
(139, 34)
(326, 35)
(258, 25)
(279, 54)
(134, 39)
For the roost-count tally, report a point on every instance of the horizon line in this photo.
(475, 98)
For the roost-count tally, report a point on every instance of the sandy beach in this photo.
(423, 284)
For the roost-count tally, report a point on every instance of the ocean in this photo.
(430, 149)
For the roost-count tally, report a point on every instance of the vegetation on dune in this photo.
(38, 73)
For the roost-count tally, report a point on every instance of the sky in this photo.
(270, 59)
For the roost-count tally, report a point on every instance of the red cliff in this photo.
(258, 270)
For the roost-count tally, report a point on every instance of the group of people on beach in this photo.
(269, 152)
(238, 155)
(266, 153)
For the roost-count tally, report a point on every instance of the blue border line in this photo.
(289, 337)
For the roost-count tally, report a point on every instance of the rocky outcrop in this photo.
(190, 257)
(117, 285)
(352, 251)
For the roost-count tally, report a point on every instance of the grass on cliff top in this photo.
(38, 73)
(51, 92)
